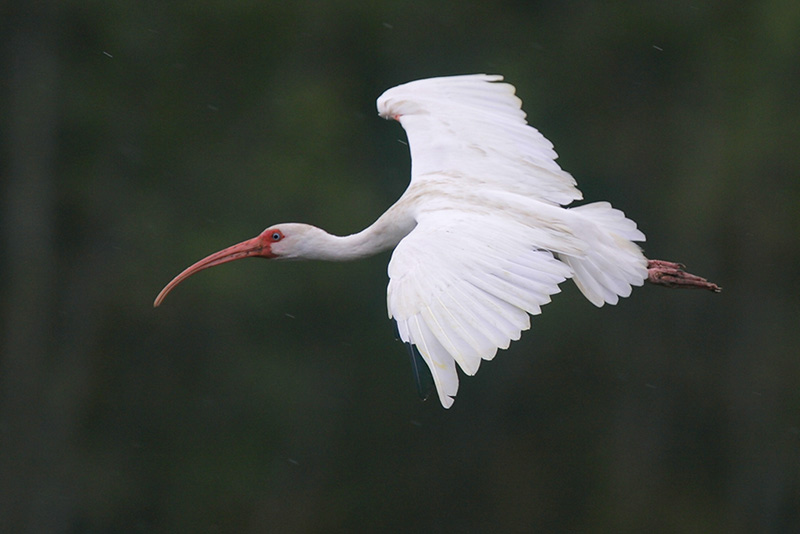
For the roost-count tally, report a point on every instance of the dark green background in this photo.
(138, 137)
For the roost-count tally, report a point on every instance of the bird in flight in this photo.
(482, 236)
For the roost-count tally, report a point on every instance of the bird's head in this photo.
(280, 241)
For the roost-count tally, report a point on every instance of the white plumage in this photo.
(481, 236)
(491, 243)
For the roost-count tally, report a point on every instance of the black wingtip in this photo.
(423, 378)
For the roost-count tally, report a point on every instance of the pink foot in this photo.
(666, 273)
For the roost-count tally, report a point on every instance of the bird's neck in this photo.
(384, 234)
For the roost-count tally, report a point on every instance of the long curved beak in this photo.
(251, 248)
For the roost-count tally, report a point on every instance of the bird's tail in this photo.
(612, 262)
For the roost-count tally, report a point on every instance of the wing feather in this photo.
(444, 319)
(454, 309)
(460, 291)
(463, 125)
(439, 361)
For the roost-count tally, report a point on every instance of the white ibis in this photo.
(481, 236)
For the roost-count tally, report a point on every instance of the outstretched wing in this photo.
(491, 242)
(473, 128)
(462, 285)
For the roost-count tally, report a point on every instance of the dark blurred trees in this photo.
(137, 137)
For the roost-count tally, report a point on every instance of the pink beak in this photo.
(258, 247)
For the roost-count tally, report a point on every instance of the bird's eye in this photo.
(277, 236)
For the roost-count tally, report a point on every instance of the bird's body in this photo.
(481, 238)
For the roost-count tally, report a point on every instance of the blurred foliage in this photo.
(140, 136)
